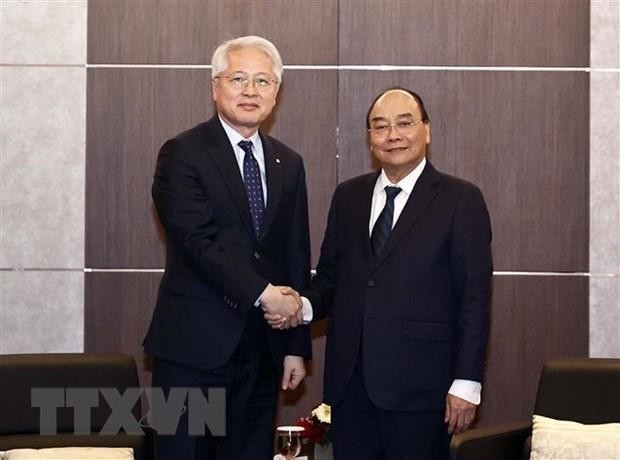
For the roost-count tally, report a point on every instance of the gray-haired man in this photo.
(233, 204)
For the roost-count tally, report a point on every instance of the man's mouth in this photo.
(395, 149)
(248, 106)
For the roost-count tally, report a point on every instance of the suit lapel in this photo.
(273, 172)
(223, 156)
(422, 195)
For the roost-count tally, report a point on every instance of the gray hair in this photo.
(219, 61)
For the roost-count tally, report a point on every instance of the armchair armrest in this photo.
(496, 442)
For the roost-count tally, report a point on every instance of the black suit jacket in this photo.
(215, 267)
(420, 313)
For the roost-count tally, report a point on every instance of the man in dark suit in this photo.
(404, 281)
(233, 205)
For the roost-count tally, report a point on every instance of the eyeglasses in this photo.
(383, 129)
(240, 81)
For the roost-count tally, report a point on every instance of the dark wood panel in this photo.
(534, 319)
(305, 32)
(306, 119)
(525, 142)
(521, 136)
(465, 32)
(117, 312)
(397, 32)
(187, 32)
(151, 32)
(130, 113)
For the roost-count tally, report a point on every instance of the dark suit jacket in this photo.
(215, 268)
(420, 313)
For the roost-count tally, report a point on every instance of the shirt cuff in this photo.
(469, 390)
(306, 310)
(257, 303)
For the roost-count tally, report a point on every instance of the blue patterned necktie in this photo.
(253, 187)
(383, 226)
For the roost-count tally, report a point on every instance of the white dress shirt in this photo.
(378, 195)
(257, 149)
(468, 390)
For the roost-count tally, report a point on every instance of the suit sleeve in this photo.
(472, 270)
(321, 291)
(186, 213)
(298, 256)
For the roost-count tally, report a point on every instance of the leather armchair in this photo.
(585, 390)
(20, 421)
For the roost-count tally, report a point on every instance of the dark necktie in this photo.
(253, 187)
(383, 226)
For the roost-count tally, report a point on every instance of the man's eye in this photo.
(381, 128)
(262, 82)
(237, 80)
(405, 124)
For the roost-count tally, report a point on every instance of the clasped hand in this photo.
(282, 307)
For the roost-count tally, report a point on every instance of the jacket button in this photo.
(371, 283)
(256, 255)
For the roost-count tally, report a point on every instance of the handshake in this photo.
(282, 307)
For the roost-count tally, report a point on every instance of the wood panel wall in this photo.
(520, 134)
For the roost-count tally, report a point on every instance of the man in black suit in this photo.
(233, 205)
(404, 281)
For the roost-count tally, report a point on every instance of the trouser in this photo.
(362, 431)
(250, 380)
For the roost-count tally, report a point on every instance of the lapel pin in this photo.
(277, 160)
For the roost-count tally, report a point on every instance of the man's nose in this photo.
(393, 134)
(250, 89)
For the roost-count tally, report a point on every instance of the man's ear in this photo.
(213, 91)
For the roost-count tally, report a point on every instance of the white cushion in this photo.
(71, 453)
(563, 440)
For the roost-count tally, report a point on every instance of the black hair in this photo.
(416, 96)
